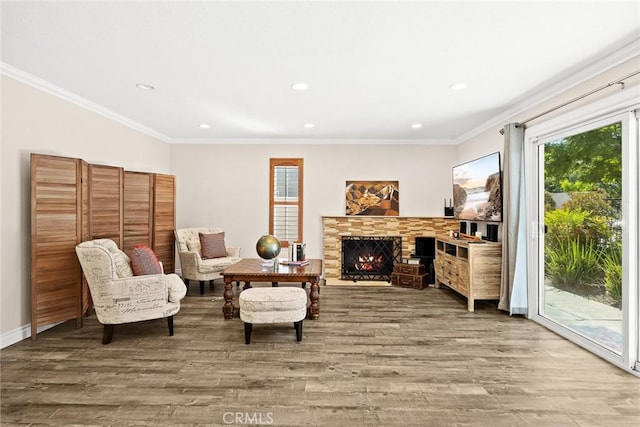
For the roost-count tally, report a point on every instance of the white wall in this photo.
(227, 186)
(219, 185)
(35, 121)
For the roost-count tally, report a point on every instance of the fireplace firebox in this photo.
(370, 257)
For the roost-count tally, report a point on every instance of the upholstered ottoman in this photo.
(273, 305)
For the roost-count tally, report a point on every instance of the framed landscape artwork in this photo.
(380, 198)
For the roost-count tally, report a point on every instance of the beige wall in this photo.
(227, 186)
(219, 185)
(35, 121)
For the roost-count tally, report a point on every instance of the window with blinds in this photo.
(285, 199)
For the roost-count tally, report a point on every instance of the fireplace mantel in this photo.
(334, 227)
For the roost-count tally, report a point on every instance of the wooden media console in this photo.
(470, 267)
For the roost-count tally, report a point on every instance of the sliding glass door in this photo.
(587, 256)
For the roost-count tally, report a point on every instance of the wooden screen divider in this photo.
(138, 209)
(73, 201)
(164, 223)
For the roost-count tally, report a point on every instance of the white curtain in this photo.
(513, 290)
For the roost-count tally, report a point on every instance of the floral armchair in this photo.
(119, 296)
(194, 265)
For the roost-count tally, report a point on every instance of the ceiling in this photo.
(373, 68)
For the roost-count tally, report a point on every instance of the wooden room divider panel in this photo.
(56, 229)
(105, 203)
(138, 210)
(73, 201)
(85, 234)
(164, 224)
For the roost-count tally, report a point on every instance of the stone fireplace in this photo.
(408, 228)
(370, 257)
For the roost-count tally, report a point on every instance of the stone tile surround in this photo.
(334, 227)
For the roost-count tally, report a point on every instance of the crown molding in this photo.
(627, 52)
(537, 97)
(315, 141)
(50, 88)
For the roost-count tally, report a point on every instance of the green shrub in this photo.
(612, 267)
(571, 263)
(564, 225)
(572, 186)
(549, 203)
(595, 203)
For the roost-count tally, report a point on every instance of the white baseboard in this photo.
(24, 332)
(21, 333)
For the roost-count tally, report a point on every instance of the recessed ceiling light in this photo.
(416, 125)
(309, 125)
(144, 86)
(300, 86)
(205, 126)
(458, 86)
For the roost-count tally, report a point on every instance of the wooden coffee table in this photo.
(252, 270)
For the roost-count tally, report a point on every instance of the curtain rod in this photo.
(619, 81)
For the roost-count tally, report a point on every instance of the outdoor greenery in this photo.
(549, 203)
(612, 266)
(565, 225)
(573, 263)
(596, 203)
(583, 243)
(586, 162)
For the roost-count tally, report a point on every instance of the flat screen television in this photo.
(477, 189)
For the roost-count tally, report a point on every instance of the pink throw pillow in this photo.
(144, 261)
(212, 245)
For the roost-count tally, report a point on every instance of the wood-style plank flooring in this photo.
(377, 357)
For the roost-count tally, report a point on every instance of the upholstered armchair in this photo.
(195, 263)
(119, 296)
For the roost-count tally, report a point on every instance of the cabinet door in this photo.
(105, 203)
(463, 277)
(164, 220)
(56, 228)
(138, 210)
(486, 271)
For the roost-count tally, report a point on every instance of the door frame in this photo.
(621, 106)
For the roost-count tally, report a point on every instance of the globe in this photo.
(268, 247)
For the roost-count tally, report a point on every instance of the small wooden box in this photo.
(409, 268)
(415, 281)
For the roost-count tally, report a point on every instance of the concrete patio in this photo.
(597, 321)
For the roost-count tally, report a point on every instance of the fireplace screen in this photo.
(370, 257)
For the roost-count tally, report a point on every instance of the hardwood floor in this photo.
(378, 356)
